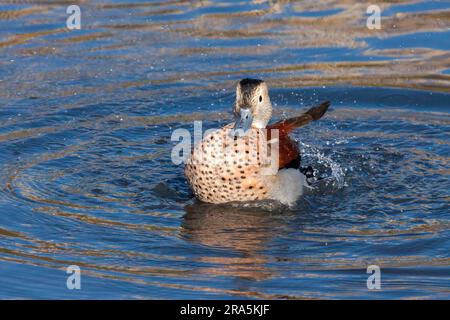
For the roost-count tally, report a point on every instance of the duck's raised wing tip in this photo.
(318, 111)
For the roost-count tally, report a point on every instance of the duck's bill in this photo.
(243, 123)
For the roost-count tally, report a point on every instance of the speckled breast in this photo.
(223, 168)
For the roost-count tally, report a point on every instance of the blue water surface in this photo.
(87, 179)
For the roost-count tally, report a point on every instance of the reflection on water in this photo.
(243, 233)
(86, 177)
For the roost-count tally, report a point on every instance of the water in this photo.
(86, 176)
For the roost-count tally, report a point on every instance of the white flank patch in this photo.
(288, 186)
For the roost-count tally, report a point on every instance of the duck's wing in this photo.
(289, 152)
(313, 114)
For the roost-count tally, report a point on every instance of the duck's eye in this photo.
(260, 98)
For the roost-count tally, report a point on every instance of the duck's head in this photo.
(252, 108)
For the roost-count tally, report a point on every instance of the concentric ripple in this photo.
(86, 177)
(121, 210)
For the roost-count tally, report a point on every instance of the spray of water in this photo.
(327, 170)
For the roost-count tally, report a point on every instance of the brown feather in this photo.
(289, 152)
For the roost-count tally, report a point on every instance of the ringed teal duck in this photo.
(248, 159)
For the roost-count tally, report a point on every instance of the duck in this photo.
(249, 159)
